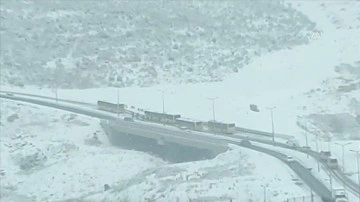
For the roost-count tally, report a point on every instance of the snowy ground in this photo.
(297, 86)
(298, 81)
(50, 155)
(237, 174)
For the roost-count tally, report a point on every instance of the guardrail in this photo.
(48, 98)
(263, 133)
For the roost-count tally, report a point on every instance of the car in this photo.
(306, 148)
(289, 159)
(324, 155)
(245, 142)
(184, 128)
(293, 143)
(129, 119)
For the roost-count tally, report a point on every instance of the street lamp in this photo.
(272, 123)
(213, 106)
(163, 100)
(317, 152)
(59, 68)
(118, 102)
(329, 143)
(306, 139)
(56, 90)
(264, 186)
(358, 169)
(330, 180)
(56, 81)
(343, 153)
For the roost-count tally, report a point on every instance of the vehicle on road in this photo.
(110, 107)
(183, 128)
(332, 162)
(245, 142)
(294, 143)
(306, 148)
(324, 155)
(339, 195)
(219, 127)
(128, 119)
(190, 124)
(289, 159)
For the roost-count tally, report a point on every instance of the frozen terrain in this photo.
(82, 44)
(51, 155)
(237, 175)
(316, 83)
(313, 80)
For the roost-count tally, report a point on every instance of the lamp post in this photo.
(306, 139)
(264, 186)
(343, 153)
(213, 106)
(59, 68)
(56, 82)
(317, 151)
(272, 123)
(331, 181)
(118, 102)
(329, 143)
(358, 169)
(56, 90)
(163, 100)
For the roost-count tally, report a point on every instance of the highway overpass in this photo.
(171, 145)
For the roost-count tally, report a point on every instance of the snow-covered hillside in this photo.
(82, 44)
(236, 174)
(314, 85)
(51, 155)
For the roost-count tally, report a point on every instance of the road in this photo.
(303, 172)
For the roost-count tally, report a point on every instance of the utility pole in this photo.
(213, 106)
(56, 91)
(307, 143)
(58, 71)
(272, 123)
(317, 152)
(56, 83)
(358, 169)
(118, 102)
(343, 153)
(329, 143)
(163, 100)
(331, 181)
(264, 186)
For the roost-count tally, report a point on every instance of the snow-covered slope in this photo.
(84, 44)
(321, 77)
(314, 85)
(237, 174)
(50, 155)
